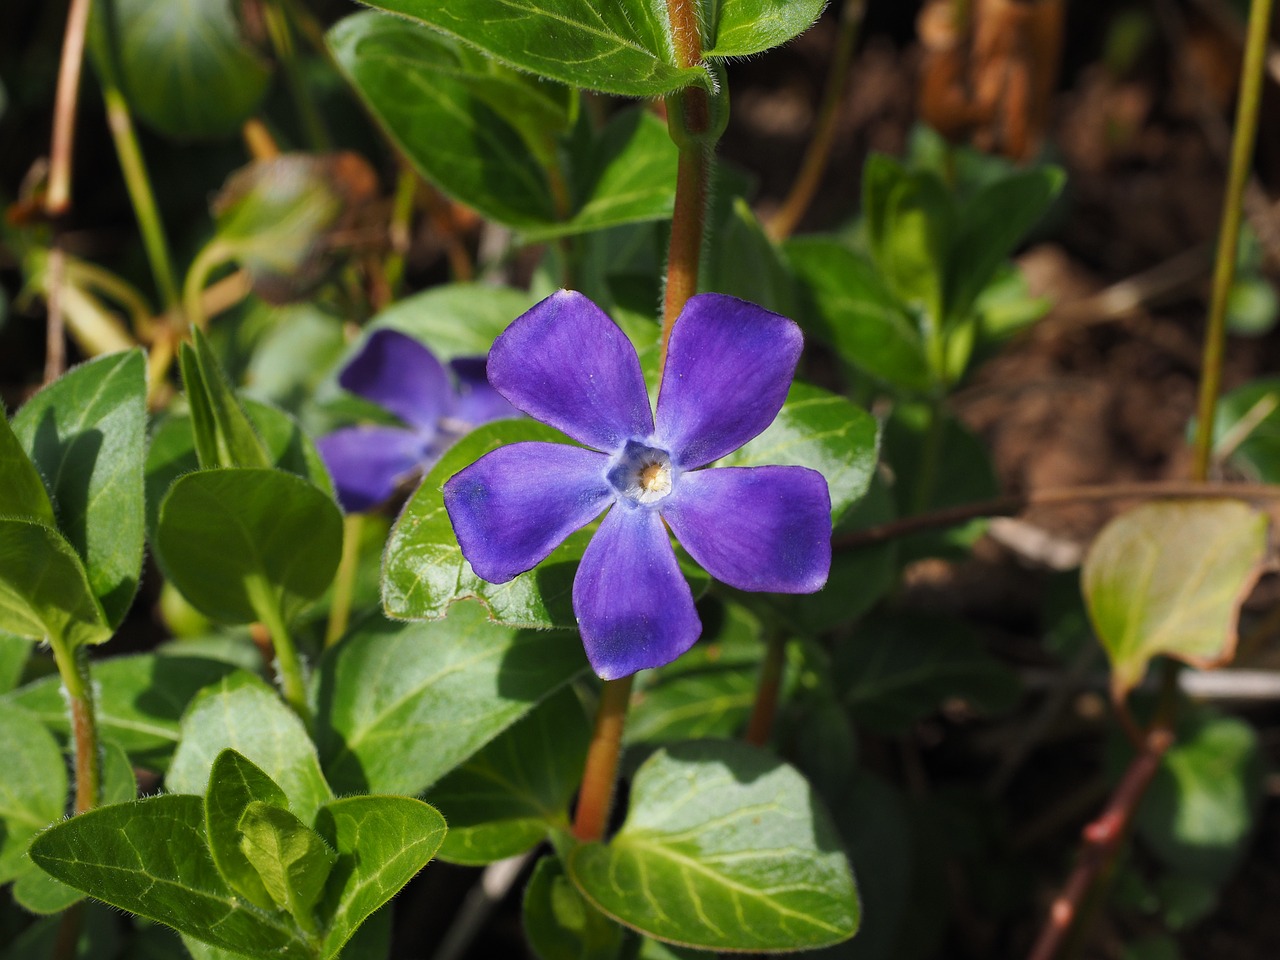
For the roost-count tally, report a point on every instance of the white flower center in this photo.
(641, 473)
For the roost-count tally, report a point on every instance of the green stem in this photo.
(345, 580)
(293, 683)
(143, 198)
(766, 706)
(399, 227)
(601, 772)
(73, 667)
(1246, 129)
(210, 257)
(281, 34)
(930, 458)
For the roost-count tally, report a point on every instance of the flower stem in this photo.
(58, 195)
(601, 772)
(818, 152)
(138, 183)
(766, 706)
(345, 580)
(1246, 129)
(73, 667)
(281, 34)
(206, 261)
(293, 682)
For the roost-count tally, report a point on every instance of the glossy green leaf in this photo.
(25, 495)
(33, 790)
(244, 714)
(291, 859)
(234, 783)
(822, 431)
(172, 452)
(224, 437)
(390, 695)
(225, 535)
(184, 67)
(1169, 578)
(857, 314)
(436, 99)
(44, 591)
(709, 690)
(424, 571)
(149, 857)
(381, 843)
(140, 700)
(739, 28)
(724, 848)
(621, 47)
(559, 924)
(86, 433)
(503, 800)
(897, 670)
(1200, 810)
(14, 653)
(627, 175)
(455, 319)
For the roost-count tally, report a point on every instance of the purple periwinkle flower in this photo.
(400, 375)
(729, 366)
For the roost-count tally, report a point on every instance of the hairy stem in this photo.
(293, 683)
(601, 772)
(816, 155)
(1246, 129)
(770, 686)
(345, 580)
(143, 198)
(73, 668)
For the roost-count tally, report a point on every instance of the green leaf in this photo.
(709, 690)
(991, 224)
(743, 27)
(1199, 812)
(724, 848)
(33, 790)
(223, 435)
(857, 314)
(289, 856)
(244, 714)
(559, 924)
(423, 570)
(140, 700)
(1246, 429)
(86, 432)
(745, 263)
(14, 653)
(25, 495)
(627, 175)
(1169, 578)
(455, 319)
(390, 695)
(149, 857)
(44, 591)
(621, 47)
(824, 432)
(184, 67)
(381, 843)
(900, 669)
(172, 452)
(225, 535)
(504, 800)
(234, 783)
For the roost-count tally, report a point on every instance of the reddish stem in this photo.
(766, 706)
(601, 772)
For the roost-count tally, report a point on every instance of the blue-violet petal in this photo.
(368, 463)
(477, 401)
(516, 504)
(634, 608)
(567, 364)
(729, 366)
(399, 374)
(755, 528)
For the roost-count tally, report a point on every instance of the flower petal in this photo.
(516, 504)
(755, 528)
(368, 463)
(398, 373)
(729, 366)
(634, 608)
(567, 364)
(477, 401)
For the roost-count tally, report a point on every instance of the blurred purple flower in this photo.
(729, 366)
(400, 375)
